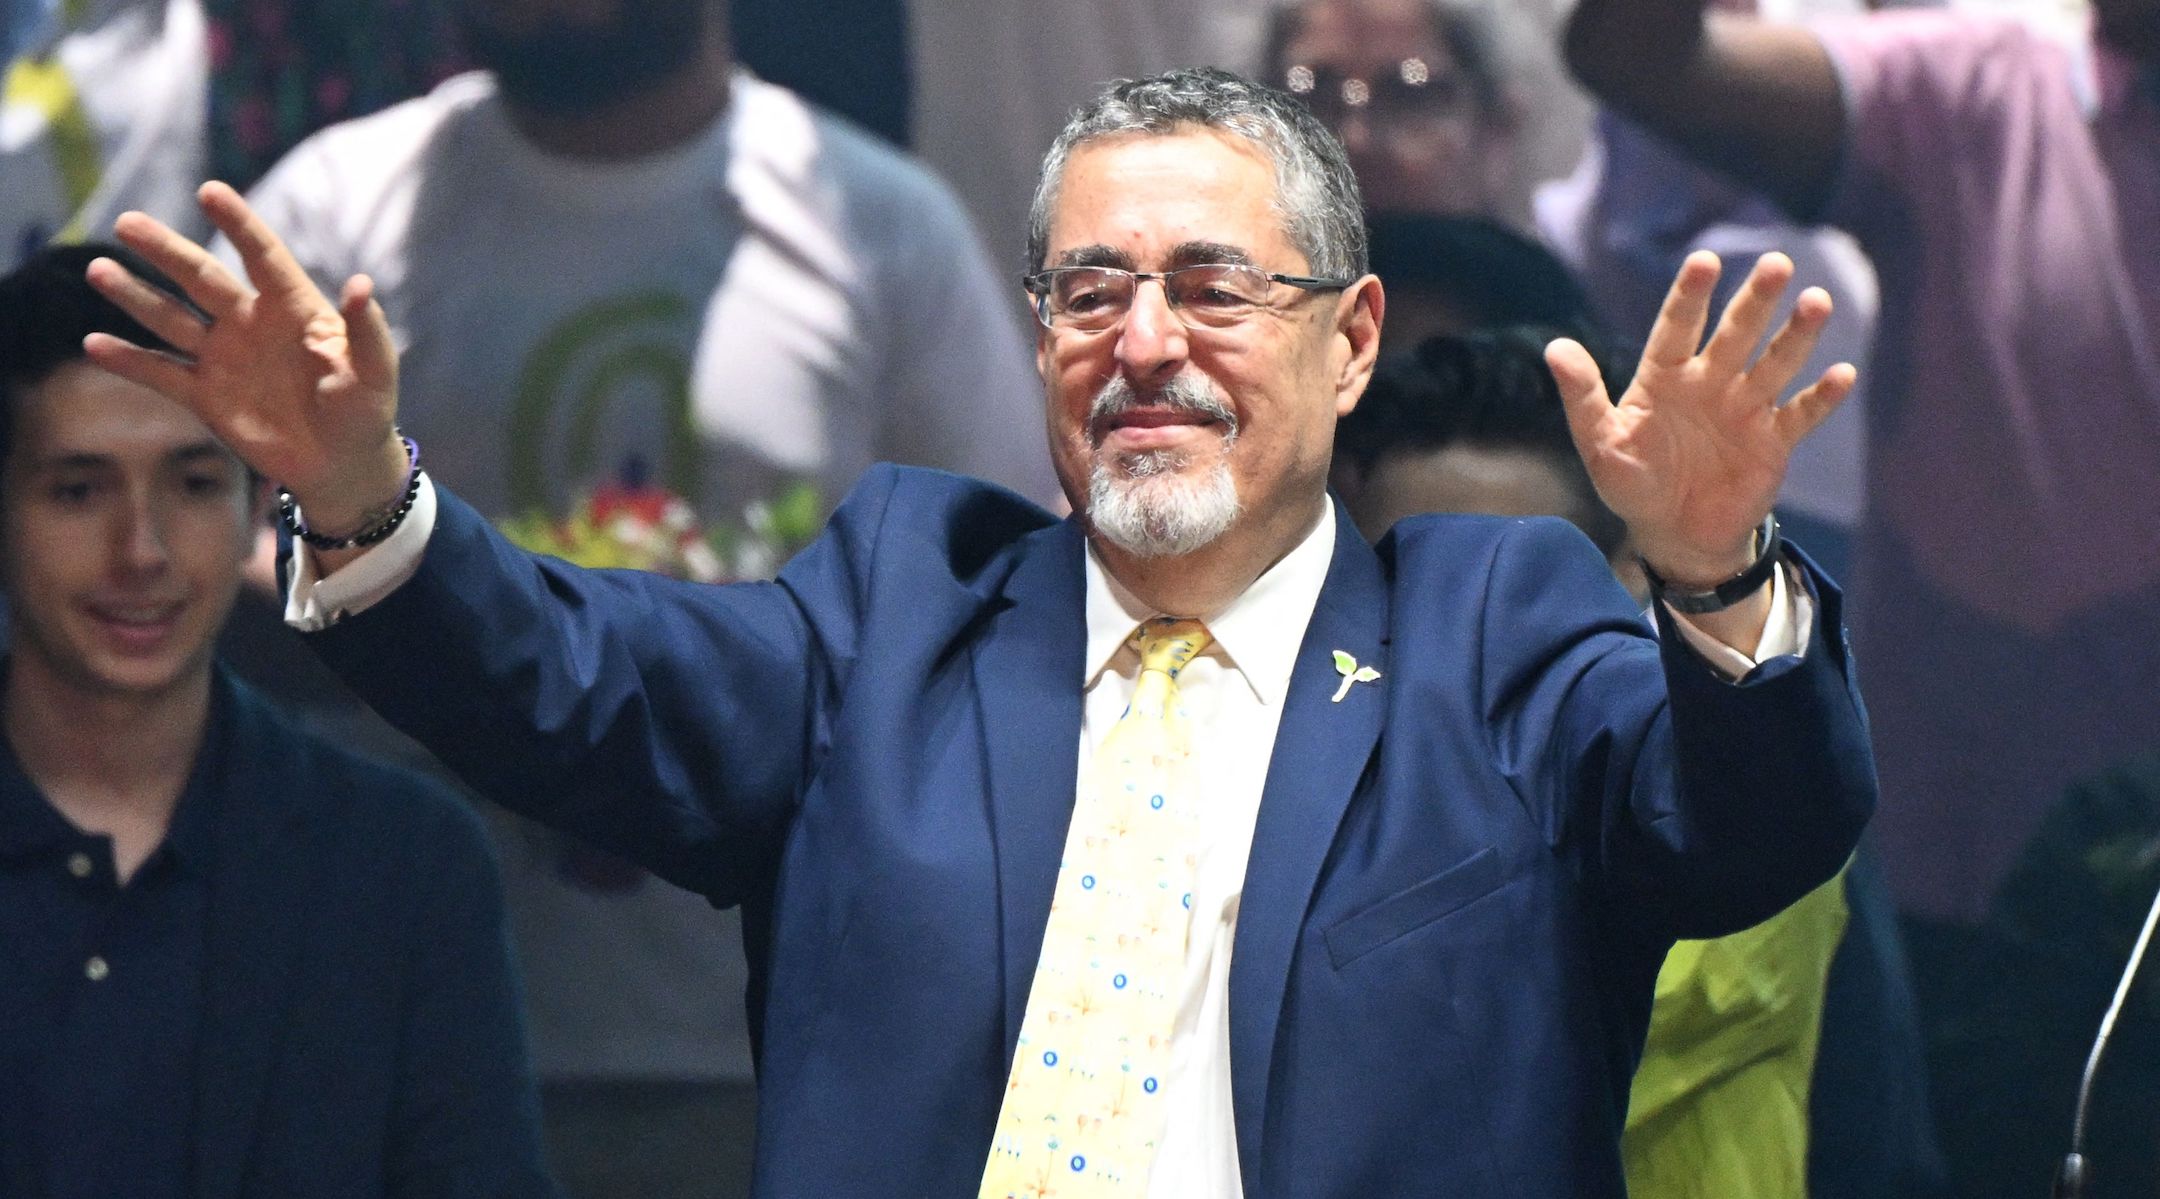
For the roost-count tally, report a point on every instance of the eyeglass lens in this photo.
(1098, 297)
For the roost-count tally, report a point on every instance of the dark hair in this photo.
(1487, 388)
(1464, 33)
(1483, 270)
(47, 307)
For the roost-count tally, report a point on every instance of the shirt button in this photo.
(95, 969)
(79, 865)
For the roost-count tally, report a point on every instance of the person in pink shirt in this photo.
(2007, 187)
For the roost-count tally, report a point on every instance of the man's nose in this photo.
(1354, 129)
(1152, 344)
(143, 540)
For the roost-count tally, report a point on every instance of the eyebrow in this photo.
(187, 455)
(1096, 255)
(1185, 253)
(1192, 253)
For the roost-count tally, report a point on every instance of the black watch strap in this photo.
(1731, 591)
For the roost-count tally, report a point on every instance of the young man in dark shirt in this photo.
(233, 961)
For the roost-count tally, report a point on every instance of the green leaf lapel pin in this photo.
(1351, 672)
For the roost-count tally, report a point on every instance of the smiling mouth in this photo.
(1139, 421)
(138, 626)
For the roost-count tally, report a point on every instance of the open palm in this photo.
(1694, 452)
(305, 391)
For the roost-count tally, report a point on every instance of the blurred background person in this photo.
(234, 960)
(1415, 90)
(1434, 113)
(2001, 182)
(1452, 274)
(2001, 176)
(117, 104)
(628, 276)
(1784, 1062)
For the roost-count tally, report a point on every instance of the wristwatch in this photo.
(1769, 546)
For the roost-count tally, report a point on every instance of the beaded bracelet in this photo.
(289, 512)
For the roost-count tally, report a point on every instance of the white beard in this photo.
(1146, 503)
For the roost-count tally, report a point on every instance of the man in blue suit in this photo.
(1441, 805)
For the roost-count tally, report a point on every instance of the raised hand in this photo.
(1693, 454)
(305, 391)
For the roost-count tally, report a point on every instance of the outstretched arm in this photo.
(1757, 100)
(1691, 457)
(304, 390)
(667, 721)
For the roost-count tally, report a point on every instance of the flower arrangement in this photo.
(633, 523)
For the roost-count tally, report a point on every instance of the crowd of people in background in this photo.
(703, 263)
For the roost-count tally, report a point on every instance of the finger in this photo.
(1678, 331)
(1582, 391)
(1789, 350)
(163, 314)
(269, 264)
(201, 276)
(1748, 316)
(161, 373)
(1813, 406)
(367, 331)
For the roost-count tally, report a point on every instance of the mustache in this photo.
(1183, 393)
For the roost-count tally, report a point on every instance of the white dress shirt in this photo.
(1233, 694)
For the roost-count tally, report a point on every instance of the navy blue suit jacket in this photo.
(361, 1034)
(1462, 882)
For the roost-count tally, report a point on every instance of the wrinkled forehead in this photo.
(1152, 201)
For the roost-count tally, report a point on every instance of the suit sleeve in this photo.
(673, 723)
(1693, 806)
(465, 1116)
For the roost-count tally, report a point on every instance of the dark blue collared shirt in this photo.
(100, 995)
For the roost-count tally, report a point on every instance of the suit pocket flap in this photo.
(1413, 907)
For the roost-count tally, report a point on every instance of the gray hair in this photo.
(1315, 193)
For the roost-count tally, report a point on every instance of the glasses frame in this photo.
(1413, 92)
(1038, 286)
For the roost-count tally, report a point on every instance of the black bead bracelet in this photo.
(289, 511)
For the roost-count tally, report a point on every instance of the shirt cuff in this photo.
(314, 603)
(1791, 623)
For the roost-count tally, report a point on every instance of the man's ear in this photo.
(1358, 315)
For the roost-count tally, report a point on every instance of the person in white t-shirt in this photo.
(614, 252)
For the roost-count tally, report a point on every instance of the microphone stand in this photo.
(2071, 1176)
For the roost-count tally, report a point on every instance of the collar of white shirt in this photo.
(1257, 634)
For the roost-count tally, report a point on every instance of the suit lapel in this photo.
(258, 907)
(1028, 669)
(1321, 749)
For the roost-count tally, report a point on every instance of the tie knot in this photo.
(1167, 644)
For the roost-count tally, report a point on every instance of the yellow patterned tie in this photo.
(1084, 1107)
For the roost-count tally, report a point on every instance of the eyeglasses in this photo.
(1215, 295)
(1413, 93)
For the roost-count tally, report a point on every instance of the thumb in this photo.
(1582, 389)
(367, 332)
